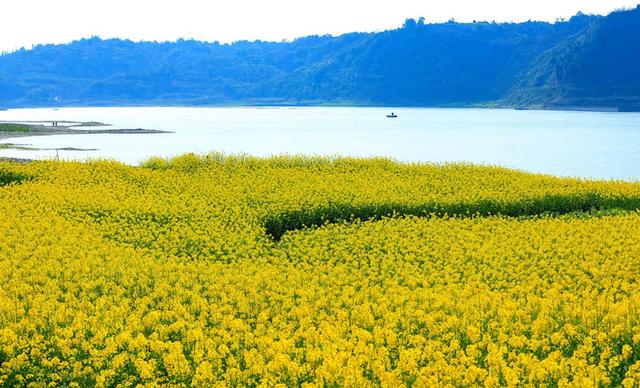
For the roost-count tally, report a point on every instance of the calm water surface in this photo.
(585, 144)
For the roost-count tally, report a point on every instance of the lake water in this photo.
(586, 144)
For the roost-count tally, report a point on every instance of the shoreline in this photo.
(49, 130)
(488, 105)
(15, 160)
(28, 129)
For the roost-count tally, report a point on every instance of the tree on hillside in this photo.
(410, 23)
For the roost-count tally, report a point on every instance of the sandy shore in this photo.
(15, 160)
(68, 128)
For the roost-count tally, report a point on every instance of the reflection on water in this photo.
(588, 144)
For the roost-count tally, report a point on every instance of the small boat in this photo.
(392, 115)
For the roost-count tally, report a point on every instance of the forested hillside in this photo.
(599, 67)
(585, 61)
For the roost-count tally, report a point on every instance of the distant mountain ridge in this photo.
(585, 62)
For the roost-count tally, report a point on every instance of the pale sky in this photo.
(27, 22)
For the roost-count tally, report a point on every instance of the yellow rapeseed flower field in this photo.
(234, 270)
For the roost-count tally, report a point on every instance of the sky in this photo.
(28, 22)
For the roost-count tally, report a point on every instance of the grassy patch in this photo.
(10, 146)
(8, 177)
(586, 205)
(10, 127)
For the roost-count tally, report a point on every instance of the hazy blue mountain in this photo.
(588, 60)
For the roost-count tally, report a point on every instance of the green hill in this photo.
(587, 61)
(596, 68)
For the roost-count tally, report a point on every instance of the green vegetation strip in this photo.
(553, 205)
(8, 177)
(9, 127)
